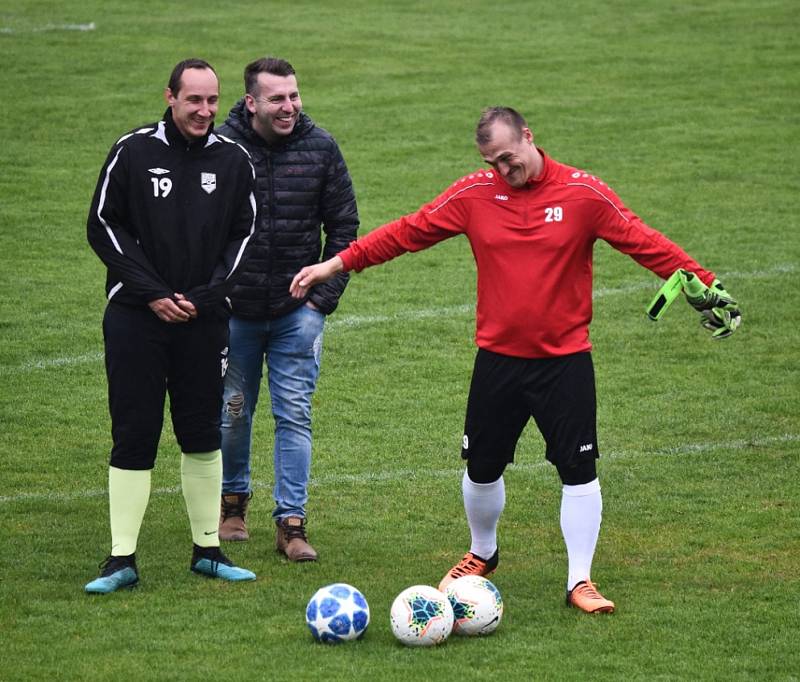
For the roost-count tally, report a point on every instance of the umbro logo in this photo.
(501, 197)
(586, 448)
(157, 171)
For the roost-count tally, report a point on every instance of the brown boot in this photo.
(290, 539)
(233, 510)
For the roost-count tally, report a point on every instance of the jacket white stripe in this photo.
(114, 290)
(246, 240)
(594, 189)
(455, 194)
(101, 204)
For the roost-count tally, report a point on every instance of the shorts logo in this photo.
(501, 197)
(465, 442)
(586, 448)
(208, 181)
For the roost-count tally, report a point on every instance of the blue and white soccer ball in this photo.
(337, 613)
(477, 605)
(421, 616)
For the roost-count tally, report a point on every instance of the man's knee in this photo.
(133, 457)
(484, 471)
(578, 472)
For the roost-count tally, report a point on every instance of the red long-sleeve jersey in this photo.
(533, 248)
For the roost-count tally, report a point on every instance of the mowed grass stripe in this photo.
(354, 321)
(395, 475)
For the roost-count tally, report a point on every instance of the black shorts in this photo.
(146, 359)
(559, 393)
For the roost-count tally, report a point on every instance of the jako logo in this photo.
(586, 448)
(501, 197)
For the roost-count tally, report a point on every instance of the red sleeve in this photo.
(441, 219)
(627, 232)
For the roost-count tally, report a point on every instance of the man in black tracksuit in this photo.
(172, 215)
(304, 190)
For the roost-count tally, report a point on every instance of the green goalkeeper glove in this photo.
(718, 310)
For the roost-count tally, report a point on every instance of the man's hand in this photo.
(314, 274)
(186, 305)
(721, 322)
(168, 310)
(719, 311)
(701, 297)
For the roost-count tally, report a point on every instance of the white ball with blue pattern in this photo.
(337, 613)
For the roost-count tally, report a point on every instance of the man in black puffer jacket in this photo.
(303, 189)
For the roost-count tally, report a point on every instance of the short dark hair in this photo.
(273, 65)
(511, 117)
(175, 77)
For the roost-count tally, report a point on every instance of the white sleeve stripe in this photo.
(114, 290)
(594, 189)
(227, 139)
(455, 194)
(160, 133)
(102, 203)
(246, 239)
(141, 131)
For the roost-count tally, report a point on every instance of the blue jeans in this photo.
(292, 347)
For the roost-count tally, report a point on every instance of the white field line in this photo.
(91, 26)
(396, 475)
(354, 321)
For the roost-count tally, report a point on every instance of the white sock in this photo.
(581, 512)
(483, 503)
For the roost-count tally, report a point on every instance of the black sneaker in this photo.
(115, 572)
(211, 562)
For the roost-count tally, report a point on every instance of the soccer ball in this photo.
(421, 616)
(477, 605)
(337, 613)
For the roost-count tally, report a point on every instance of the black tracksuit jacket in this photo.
(172, 217)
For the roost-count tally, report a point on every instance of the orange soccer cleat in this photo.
(584, 596)
(471, 564)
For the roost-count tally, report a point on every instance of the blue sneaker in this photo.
(115, 572)
(211, 562)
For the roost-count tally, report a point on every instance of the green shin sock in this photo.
(128, 495)
(201, 480)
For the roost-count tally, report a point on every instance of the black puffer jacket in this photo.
(303, 187)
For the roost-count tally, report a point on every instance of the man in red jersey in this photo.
(532, 223)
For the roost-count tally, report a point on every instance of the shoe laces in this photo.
(112, 564)
(588, 590)
(294, 532)
(469, 565)
(233, 509)
(213, 554)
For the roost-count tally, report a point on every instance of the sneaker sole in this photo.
(126, 586)
(220, 574)
(600, 609)
(298, 560)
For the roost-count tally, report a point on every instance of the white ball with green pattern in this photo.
(421, 615)
(477, 605)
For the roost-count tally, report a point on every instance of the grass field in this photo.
(688, 109)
